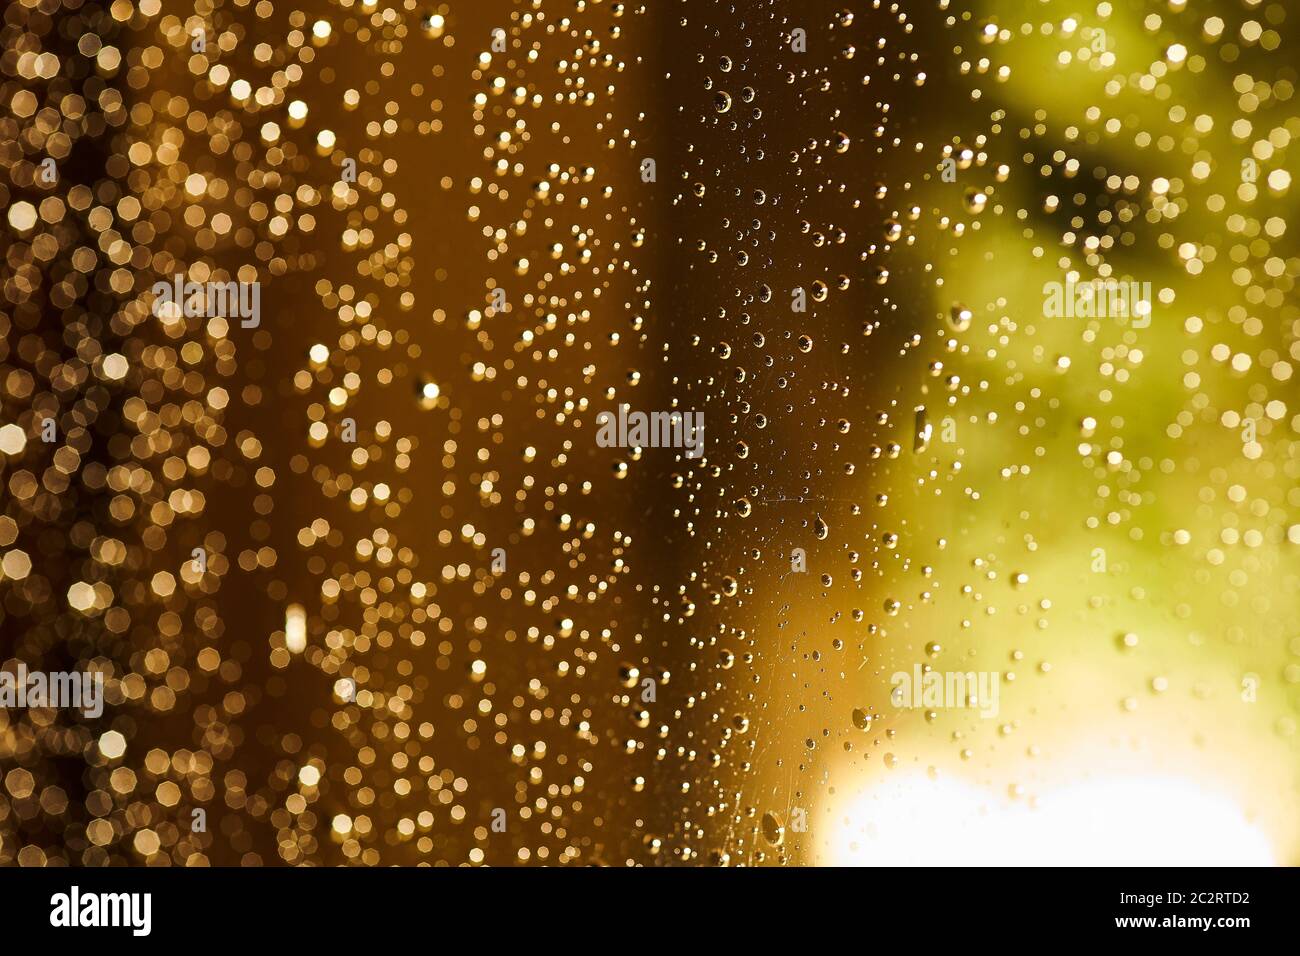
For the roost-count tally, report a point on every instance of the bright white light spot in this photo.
(1115, 821)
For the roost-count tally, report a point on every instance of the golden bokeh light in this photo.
(315, 321)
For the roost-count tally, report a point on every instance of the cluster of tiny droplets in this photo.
(426, 607)
(954, 467)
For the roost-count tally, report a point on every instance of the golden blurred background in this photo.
(365, 589)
